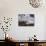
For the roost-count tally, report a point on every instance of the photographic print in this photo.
(26, 20)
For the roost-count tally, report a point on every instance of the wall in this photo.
(11, 8)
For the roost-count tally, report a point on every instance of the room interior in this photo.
(32, 31)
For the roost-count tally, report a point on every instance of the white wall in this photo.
(11, 8)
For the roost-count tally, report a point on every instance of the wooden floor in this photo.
(3, 43)
(19, 43)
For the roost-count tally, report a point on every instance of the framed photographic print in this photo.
(26, 19)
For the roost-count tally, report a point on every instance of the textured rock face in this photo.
(35, 3)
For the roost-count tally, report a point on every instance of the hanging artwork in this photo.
(5, 25)
(35, 3)
(26, 19)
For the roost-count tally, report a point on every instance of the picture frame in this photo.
(26, 19)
